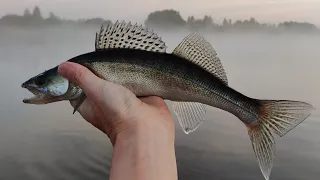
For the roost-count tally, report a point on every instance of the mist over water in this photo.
(48, 142)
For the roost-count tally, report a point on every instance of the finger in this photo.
(154, 101)
(81, 76)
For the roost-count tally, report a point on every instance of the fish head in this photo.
(49, 87)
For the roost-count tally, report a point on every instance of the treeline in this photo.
(172, 19)
(36, 19)
(165, 19)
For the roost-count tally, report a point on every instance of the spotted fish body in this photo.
(165, 75)
(192, 77)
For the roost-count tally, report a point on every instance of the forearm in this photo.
(147, 155)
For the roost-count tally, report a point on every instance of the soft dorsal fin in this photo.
(199, 51)
(126, 35)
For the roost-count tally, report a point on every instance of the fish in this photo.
(192, 77)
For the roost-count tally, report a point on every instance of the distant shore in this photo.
(166, 20)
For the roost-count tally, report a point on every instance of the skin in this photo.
(141, 130)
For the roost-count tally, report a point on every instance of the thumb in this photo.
(81, 76)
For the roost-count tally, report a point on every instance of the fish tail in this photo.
(279, 116)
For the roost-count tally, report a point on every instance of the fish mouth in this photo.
(38, 97)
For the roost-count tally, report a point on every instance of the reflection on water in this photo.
(48, 142)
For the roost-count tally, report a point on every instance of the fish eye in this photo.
(40, 80)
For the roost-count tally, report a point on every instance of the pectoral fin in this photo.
(79, 102)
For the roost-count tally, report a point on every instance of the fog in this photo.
(48, 142)
(264, 10)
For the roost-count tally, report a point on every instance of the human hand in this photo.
(140, 129)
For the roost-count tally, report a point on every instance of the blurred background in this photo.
(269, 49)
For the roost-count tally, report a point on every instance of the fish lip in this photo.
(38, 95)
(27, 83)
(27, 101)
(24, 85)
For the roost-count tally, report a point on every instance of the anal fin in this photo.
(190, 115)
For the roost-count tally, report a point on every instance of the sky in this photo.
(270, 11)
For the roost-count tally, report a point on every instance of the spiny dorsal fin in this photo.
(199, 51)
(126, 35)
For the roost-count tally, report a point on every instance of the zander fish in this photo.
(192, 77)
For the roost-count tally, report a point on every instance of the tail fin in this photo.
(279, 116)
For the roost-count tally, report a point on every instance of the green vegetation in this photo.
(166, 19)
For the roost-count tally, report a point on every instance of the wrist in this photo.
(145, 153)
